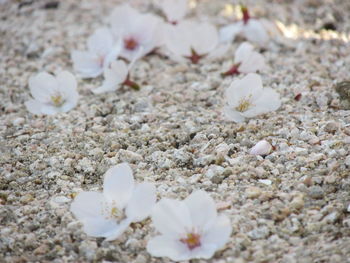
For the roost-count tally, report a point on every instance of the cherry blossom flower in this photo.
(246, 61)
(252, 29)
(193, 40)
(52, 94)
(109, 213)
(188, 229)
(116, 76)
(262, 148)
(246, 98)
(136, 30)
(102, 50)
(174, 10)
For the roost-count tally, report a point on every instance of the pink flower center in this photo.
(130, 43)
(192, 241)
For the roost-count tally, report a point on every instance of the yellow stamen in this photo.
(57, 100)
(192, 240)
(244, 105)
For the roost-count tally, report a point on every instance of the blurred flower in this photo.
(246, 98)
(116, 76)
(136, 31)
(262, 148)
(252, 29)
(52, 94)
(174, 10)
(109, 213)
(188, 229)
(193, 40)
(246, 60)
(101, 52)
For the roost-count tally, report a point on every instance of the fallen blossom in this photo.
(174, 10)
(116, 76)
(109, 213)
(52, 94)
(193, 40)
(262, 148)
(252, 29)
(102, 50)
(246, 98)
(246, 61)
(136, 31)
(188, 229)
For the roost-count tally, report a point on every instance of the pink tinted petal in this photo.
(171, 217)
(202, 209)
(164, 246)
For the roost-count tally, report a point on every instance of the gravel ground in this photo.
(173, 134)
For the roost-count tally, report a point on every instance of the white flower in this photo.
(116, 76)
(252, 29)
(192, 40)
(109, 213)
(188, 229)
(174, 10)
(135, 30)
(246, 98)
(246, 60)
(52, 94)
(101, 51)
(262, 148)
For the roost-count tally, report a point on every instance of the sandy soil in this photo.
(173, 134)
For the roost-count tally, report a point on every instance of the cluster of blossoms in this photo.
(114, 49)
(188, 229)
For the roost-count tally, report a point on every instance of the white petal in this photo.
(122, 19)
(174, 10)
(178, 40)
(219, 234)
(263, 147)
(118, 184)
(243, 52)
(42, 85)
(99, 226)
(100, 42)
(228, 33)
(255, 32)
(202, 209)
(141, 202)
(33, 106)
(164, 246)
(117, 231)
(248, 86)
(219, 52)
(49, 109)
(269, 100)
(252, 63)
(171, 217)
(233, 115)
(68, 86)
(204, 38)
(87, 64)
(115, 75)
(87, 204)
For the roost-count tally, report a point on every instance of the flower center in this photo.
(195, 57)
(245, 14)
(244, 104)
(57, 100)
(110, 211)
(130, 43)
(192, 241)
